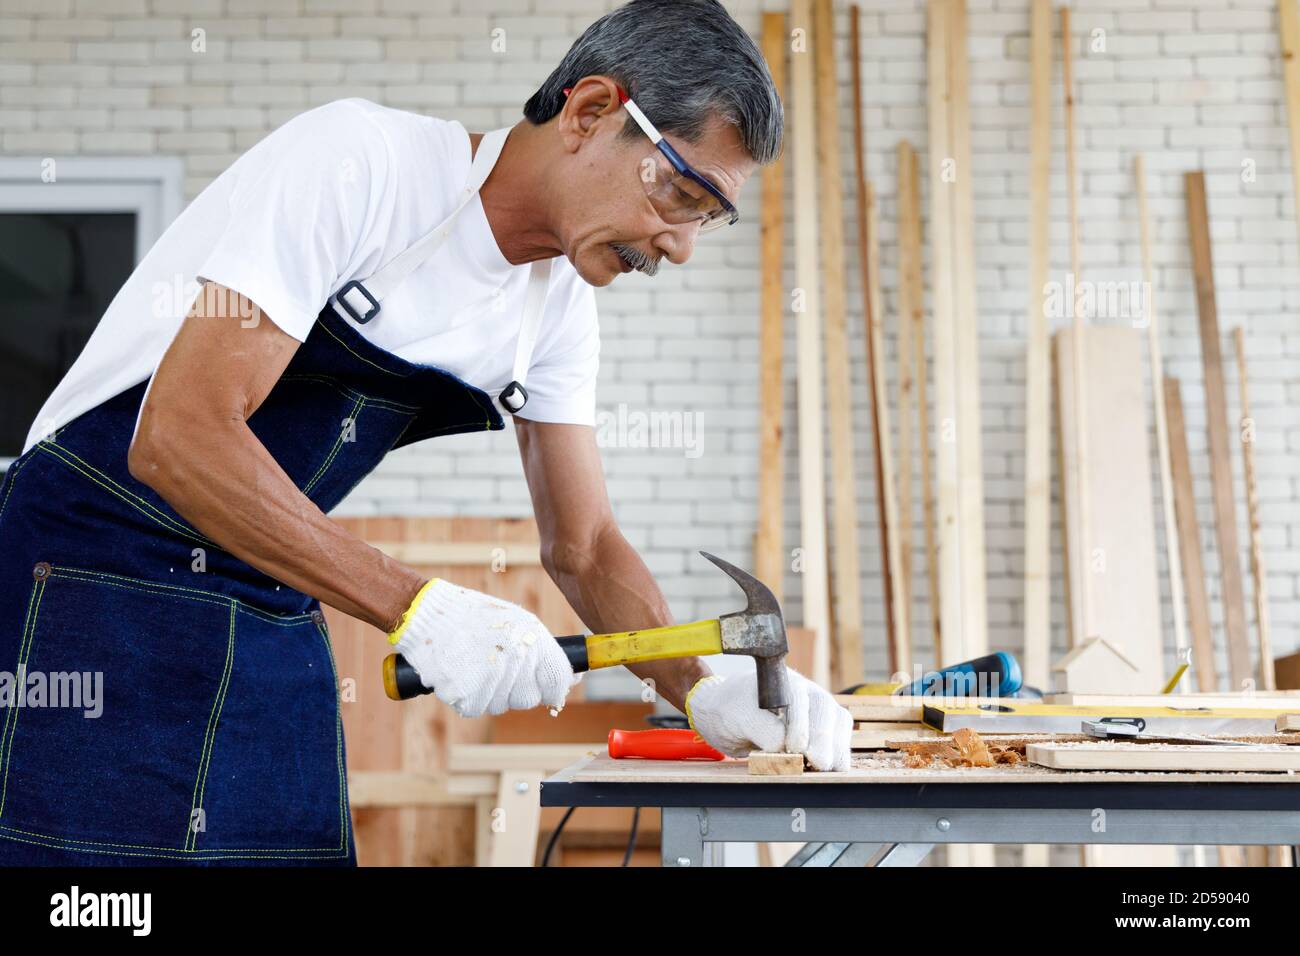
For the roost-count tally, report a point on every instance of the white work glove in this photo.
(725, 712)
(480, 654)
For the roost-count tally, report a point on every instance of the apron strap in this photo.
(362, 299)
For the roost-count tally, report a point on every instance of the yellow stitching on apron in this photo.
(338, 443)
(191, 594)
(338, 738)
(348, 392)
(133, 500)
(205, 758)
(388, 371)
(12, 475)
(24, 652)
(171, 853)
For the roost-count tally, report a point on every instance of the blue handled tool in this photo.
(994, 675)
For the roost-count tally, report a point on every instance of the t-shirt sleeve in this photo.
(561, 381)
(300, 203)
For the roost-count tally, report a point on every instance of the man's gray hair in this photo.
(684, 62)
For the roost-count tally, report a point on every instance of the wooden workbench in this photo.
(892, 815)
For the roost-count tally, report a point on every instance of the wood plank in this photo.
(911, 306)
(1172, 558)
(1122, 565)
(908, 311)
(516, 818)
(1081, 622)
(1289, 30)
(867, 266)
(1259, 578)
(812, 466)
(1189, 541)
(769, 544)
(1216, 417)
(942, 296)
(1258, 758)
(901, 632)
(846, 665)
(970, 442)
(494, 758)
(1265, 702)
(469, 553)
(1038, 362)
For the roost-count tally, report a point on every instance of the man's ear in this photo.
(591, 104)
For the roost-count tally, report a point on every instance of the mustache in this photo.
(637, 259)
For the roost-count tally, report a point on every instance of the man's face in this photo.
(610, 224)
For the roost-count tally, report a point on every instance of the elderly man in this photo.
(364, 279)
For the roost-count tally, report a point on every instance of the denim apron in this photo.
(214, 736)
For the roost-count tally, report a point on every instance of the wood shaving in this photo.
(966, 748)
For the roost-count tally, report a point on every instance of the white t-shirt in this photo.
(328, 197)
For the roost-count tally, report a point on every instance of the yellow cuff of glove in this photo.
(395, 635)
(686, 704)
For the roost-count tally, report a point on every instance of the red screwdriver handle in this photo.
(661, 745)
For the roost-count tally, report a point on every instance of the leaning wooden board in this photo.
(417, 735)
(1120, 564)
(874, 768)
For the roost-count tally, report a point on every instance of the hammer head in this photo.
(758, 632)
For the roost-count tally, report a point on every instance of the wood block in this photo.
(775, 765)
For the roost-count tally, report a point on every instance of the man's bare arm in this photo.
(194, 447)
(584, 551)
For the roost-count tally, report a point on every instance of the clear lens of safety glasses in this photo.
(678, 198)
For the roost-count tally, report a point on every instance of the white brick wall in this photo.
(1192, 83)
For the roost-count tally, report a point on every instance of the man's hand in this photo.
(481, 654)
(725, 712)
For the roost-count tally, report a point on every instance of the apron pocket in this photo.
(275, 778)
(109, 757)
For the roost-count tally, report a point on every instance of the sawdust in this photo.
(966, 749)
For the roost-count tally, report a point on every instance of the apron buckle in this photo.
(342, 299)
(513, 397)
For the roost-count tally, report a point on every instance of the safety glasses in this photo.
(678, 193)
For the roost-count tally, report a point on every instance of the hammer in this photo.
(758, 632)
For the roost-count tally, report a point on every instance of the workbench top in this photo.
(874, 768)
(881, 780)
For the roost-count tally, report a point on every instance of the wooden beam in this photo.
(1216, 417)
(970, 442)
(1172, 560)
(1038, 361)
(769, 546)
(1081, 625)
(812, 466)
(1189, 541)
(901, 634)
(1246, 433)
(945, 361)
(867, 269)
(1289, 28)
(846, 665)
(911, 307)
